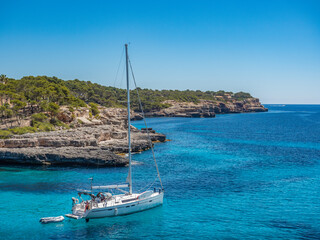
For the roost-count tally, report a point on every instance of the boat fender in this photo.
(86, 207)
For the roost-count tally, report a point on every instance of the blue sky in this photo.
(268, 48)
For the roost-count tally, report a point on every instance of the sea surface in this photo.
(236, 176)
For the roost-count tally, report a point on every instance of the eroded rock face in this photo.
(207, 108)
(84, 156)
(140, 142)
(86, 146)
(97, 140)
(66, 116)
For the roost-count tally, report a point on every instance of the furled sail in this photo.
(111, 186)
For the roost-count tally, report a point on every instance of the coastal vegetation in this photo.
(40, 99)
(150, 99)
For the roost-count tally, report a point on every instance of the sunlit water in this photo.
(254, 176)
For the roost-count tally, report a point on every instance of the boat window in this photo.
(127, 206)
(150, 201)
(128, 200)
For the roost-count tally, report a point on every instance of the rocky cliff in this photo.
(207, 108)
(91, 142)
(102, 139)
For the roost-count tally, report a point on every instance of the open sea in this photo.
(236, 176)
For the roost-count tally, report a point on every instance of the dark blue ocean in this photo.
(236, 176)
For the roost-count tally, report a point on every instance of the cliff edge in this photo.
(207, 108)
(92, 142)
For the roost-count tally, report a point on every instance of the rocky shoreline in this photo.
(103, 141)
(92, 141)
(206, 108)
(98, 145)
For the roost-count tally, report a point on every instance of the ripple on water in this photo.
(237, 176)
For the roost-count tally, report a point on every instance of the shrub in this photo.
(54, 121)
(44, 106)
(23, 130)
(59, 123)
(44, 127)
(94, 108)
(71, 109)
(5, 134)
(53, 108)
(8, 113)
(39, 117)
(242, 95)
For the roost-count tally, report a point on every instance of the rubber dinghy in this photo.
(51, 219)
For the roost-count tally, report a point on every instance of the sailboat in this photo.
(104, 203)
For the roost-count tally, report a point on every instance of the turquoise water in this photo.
(254, 176)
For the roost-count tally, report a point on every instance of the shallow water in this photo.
(236, 176)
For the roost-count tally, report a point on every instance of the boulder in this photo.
(66, 117)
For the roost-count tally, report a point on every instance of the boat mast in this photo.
(128, 107)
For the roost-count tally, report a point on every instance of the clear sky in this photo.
(268, 48)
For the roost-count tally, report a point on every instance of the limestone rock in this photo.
(87, 146)
(207, 108)
(85, 156)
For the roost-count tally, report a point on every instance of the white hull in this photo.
(123, 207)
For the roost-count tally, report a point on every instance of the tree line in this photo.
(35, 94)
(150, 99)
